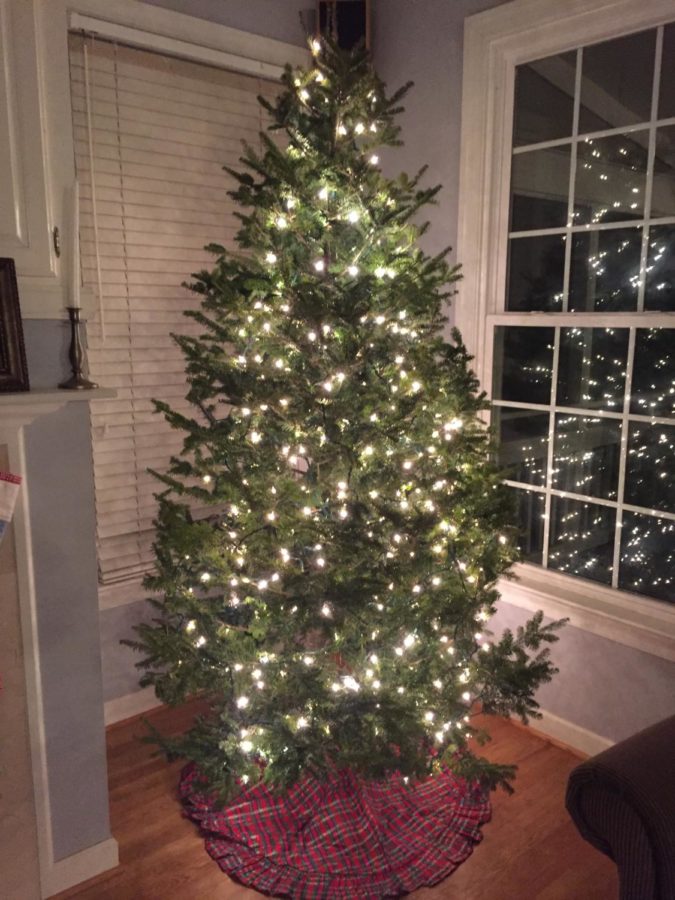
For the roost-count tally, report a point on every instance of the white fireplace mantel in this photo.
(23, 407)
(17, 411)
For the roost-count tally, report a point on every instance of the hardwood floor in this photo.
(530, 850)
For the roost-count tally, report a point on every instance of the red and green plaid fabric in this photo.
(341, 839)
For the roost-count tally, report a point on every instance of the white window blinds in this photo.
(151, 136)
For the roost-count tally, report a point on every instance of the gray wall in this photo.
(278, 19)
(421, 41)
(47, 342)
(605, 687)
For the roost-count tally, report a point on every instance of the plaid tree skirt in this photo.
(344, 839)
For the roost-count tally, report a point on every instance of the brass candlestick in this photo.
(77, 381)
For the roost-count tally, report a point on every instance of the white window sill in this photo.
(647, 625)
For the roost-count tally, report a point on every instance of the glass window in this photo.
(616, 82)
(584, 350)
(544, 99)
(611, 178)
(540, 188)
(536, 272)
(605, 270)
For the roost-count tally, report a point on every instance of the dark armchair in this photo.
(623, 802)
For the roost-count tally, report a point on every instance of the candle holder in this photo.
(77, 381)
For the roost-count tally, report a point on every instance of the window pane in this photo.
(586, 455)
(648, 556)
(660, 280)
(653, 390)
(536, 273)
(581, 540)
(650, 477)
(530, 507)
(523, 363)
(667, 91)
(523, 443)
(544, 100)
(616, 82)
(592, 368)
(605, 270)
(610, 182)
(540, 188)
(663, 190)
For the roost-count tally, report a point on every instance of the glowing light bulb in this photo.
(323, 193)
(205, 576)
(359, 128)
(374, 159)
(353, 216)
(282, 222)
(316, 46)
(302, 723)
(246, 746)
(271, 258)
(353, 270)
(326, 611)
(304, 94)
(255, 437)
(242, 702)
(319, 265)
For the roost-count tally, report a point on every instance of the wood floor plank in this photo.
(530, 850)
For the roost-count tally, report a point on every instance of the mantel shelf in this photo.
(23, 407)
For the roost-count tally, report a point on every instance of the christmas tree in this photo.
(332, 603)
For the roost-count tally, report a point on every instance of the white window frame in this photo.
(495, 42)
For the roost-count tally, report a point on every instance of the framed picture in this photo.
(13, 368)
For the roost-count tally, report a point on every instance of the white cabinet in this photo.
(27, 207)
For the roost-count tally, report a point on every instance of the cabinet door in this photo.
(25, 214)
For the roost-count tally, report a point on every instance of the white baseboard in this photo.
(574, 736)
(130, 705)
(65, 873)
